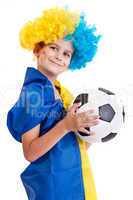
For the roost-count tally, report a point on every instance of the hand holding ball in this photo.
(77, 121)
(105, 104)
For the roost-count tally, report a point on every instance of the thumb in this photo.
(74, 107)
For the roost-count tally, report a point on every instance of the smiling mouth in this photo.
(55, 63)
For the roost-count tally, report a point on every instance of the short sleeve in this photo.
(30, 110)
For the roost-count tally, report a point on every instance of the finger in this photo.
(87, 132)
(90, 111)
(88, 119)
(92, 133)
(85, 114)
(83, 130)
(94, 123)
(93, 117)
(74, 107)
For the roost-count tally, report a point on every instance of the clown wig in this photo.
(57, 23)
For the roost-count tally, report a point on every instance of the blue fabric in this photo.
(57, 175)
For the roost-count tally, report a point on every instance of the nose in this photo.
(58, 56)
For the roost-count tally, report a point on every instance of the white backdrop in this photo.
(112, 163)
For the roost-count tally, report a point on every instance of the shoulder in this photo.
(36, 92)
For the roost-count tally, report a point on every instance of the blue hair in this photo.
(85, 44)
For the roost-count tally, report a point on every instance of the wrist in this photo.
(65, 125)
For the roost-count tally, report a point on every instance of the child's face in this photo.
(55, 57)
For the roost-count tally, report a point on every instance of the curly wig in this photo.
(56, 23)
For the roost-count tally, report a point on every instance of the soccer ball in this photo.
(111, 111)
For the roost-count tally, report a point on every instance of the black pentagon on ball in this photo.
(123, 114)
(106, 112)
(109, 137)
(83, 98)
(106, 91)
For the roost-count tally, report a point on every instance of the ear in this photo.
(36, 54)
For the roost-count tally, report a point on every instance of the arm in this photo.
(35, 146)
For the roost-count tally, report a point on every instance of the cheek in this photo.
(44, 56)
(67, 62)
(42, 59)
(50, 53)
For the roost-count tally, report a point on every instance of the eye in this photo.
(53, 47)
(67, 54)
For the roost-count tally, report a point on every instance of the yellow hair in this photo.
(53, 24)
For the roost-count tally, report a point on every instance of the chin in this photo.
(56, 70)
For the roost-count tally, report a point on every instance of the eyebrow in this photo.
(59, 46)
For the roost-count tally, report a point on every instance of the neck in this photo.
(51, 77)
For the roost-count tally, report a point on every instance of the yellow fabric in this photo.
(66, 96)
(88, 180)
